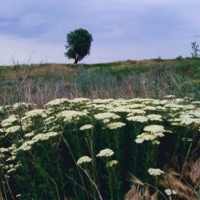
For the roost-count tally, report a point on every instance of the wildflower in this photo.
(137, 111)
(106, 121)
(121, 109)
(139, 140)
(106, 116)
(145, 136)
(18, 195)
(134, 106)
(149, 108)
(69, 115)
(11, 170)
(11, 158)
(87, 126)
(155, 172)
(154, 117)
(12, 129)
(105, 153)
(28, 135)
(83, 159)
(170, 192)
(155, 142)
(111, 163)
(9, 121)
(154, 129)
(137, 119)
(35, 113)
(115, 125)
(80, 100)
(2, 150)
(56, 102)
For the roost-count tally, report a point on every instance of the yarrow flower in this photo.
(137, 119)
(115, 125)
(102, 116)
(154, 117)
(155, 172)
(86, 126)
(170, 192)
(105, 153)
(111, 163)
(83, 159)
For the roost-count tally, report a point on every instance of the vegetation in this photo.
(78, 44)
(122, 130)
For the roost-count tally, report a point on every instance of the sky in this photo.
(35, 31)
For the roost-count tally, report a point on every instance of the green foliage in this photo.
(195, 48)
(78, 44)
(84, 148)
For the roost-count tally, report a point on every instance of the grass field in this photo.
(107, 131)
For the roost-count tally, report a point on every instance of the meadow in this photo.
(108, 131)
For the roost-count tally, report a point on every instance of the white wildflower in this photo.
(111, 163)
(155, 172)
(108, 115)
(69, 115)
(121, 109)
(2, 150)
(150, 108)
(11, 158)
(155, 142)
(12, 129)
(154, 129)
(106, 121)
(57, 102)
(115, 125)
(137, 119)
(105, 153)
(11, 170)
(28, 135)
(86, 126)
(83, 159)
(9, 121)
(137, 111)
(154, 117)
(139, 140)
(80, 100)
(35, 113)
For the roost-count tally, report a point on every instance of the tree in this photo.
(79, 43)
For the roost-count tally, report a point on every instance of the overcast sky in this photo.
(35, 31)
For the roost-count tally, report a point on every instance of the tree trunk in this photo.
(76, 59)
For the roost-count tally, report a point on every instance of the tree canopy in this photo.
(78, 44)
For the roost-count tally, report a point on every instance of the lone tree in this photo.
(79, 43)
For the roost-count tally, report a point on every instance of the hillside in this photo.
(152, 78)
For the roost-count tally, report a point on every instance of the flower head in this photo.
(111, 163)
(105, 153)
(115, 125)
(86, 126)
(155, 172)
(83, 159)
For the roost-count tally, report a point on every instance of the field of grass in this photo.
(107, 131)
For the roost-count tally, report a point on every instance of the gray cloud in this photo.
(121, 29)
